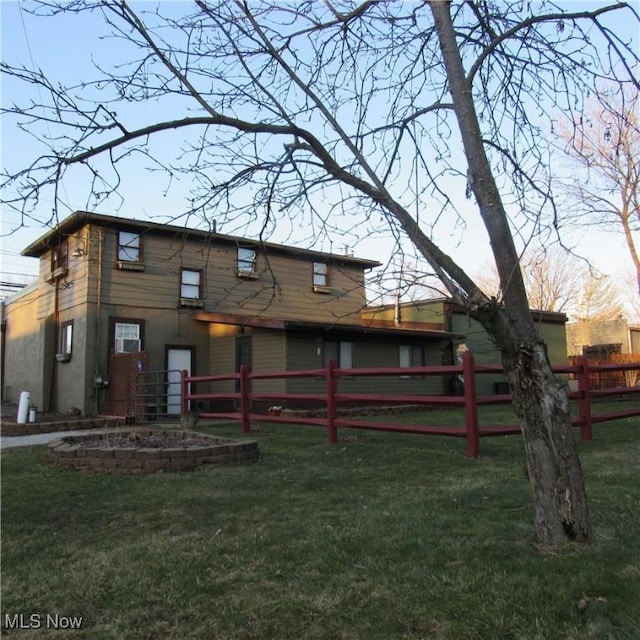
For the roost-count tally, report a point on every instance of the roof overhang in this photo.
(548, 317)
(77, 220)
(328, 328)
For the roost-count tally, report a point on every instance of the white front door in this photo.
(177, 360)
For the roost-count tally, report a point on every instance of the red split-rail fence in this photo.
(331, 399)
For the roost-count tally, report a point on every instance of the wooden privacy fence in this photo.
(331, 399)
(604, 378)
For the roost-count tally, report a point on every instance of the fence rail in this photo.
(331, 399)
(157, 394)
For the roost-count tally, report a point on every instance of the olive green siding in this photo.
(70, 393)
(431, 312)
(222, 355)
(485, 352)
(439, 312)
(282, 286)
(93, 290)
(267, 354)
(555, 337)
(305, 351)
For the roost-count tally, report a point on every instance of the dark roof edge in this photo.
(304, 325)
(454, 307)
(78, 219)
(414, 332)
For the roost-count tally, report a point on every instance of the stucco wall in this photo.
(24, 348)
(70, 392)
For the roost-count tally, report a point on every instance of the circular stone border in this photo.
(79, 453)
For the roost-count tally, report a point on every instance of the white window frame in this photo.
(129, 245)
(406, 356)
(66, 337)
(320, 274)
(130, 333)
(345, 350)
(188, 288)
(246, 261)
(346, 355)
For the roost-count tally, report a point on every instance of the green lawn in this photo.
(381, 537)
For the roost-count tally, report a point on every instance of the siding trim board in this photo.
(227, 318)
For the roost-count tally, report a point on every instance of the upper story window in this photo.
(60, 258)
(191, 284)
(321, 277)
(246, 261)
(129, 246)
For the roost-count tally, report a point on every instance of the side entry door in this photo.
(177, 360)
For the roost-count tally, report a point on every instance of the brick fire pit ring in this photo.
(150, 450)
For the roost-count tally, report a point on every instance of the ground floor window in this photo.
(341, 352)
(410, 355)
(127, 335)
(66, 337)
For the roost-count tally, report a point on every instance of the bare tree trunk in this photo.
(540, 401)
(557, 489)
(628, 236)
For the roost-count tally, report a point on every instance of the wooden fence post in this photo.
(332, 410)
(184, 390)
(584, 404)
(470, 406)
(245, 401)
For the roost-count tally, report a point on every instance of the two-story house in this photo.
(117, 296)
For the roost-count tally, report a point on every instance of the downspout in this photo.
(3, 337)
(397, 316)
(53, 405)
(98, 352)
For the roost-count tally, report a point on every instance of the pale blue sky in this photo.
(66, 52)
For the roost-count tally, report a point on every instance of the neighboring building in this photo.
(602, 339)
(444, 315)
(118, 296)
